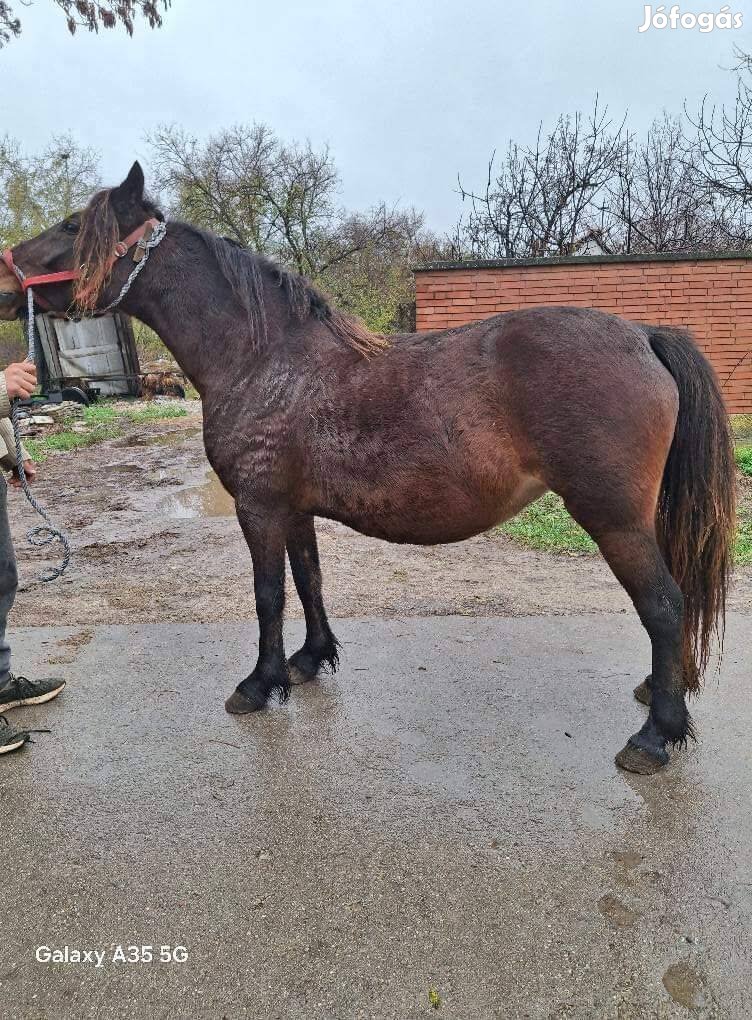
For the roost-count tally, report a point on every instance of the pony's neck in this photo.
(216, 313)
(182, 295)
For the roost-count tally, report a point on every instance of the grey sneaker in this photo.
(10, 739)
(19, 690)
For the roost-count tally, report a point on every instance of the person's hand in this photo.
(21, 379)
(30, 470)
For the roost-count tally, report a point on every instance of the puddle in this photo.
(685, 986)
(616, 911)
(209, 499)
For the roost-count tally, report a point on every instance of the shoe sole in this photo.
(7, 748)
(39, 700)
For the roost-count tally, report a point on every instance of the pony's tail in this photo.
(696, 515)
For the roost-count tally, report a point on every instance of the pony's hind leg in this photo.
(635, 558)
(639, 565)
(320, 645)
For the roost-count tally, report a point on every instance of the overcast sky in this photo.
(405, 93)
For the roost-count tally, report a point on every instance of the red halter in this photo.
(121, 249)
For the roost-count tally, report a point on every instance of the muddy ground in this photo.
(155, 539)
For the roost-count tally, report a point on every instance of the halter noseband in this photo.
(140, 236)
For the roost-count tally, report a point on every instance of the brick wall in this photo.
(711, 296)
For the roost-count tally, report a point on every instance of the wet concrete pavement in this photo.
(439, 830)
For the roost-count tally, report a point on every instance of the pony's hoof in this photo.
(643, 693)
(638, 759)
(297, 676)
(239, 704)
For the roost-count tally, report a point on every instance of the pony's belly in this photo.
(448, 514)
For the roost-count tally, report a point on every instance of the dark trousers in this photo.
(8, 579)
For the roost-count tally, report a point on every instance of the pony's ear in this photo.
(131, 191)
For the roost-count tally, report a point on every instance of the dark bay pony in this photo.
(428, 438)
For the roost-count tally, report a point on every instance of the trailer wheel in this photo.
(77, 394)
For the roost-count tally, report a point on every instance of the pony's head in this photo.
(84, 241)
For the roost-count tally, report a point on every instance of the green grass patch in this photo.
(62, 442)
(743, 551)
(104, 421)
(545, 524)
(98, 414)
(155, 412)
(743, 456)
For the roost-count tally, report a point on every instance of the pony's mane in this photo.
(95, 241)
(245, 272)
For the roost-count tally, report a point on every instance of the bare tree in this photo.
(376, 280)
(723, 145)
(724, 139)
(245, 183)
(282, 200)
(38, 190)
(89, 14)
(216, 184)
(660, 199)
(544, 199)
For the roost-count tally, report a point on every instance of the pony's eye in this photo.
(70, 227)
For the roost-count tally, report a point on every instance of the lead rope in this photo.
(47, 533)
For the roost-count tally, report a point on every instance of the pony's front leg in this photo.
(265, 534)
(320, 645)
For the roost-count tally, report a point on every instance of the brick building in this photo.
(709, 294)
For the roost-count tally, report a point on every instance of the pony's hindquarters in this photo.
(630, 430)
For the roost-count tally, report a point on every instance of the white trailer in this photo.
(94, 354)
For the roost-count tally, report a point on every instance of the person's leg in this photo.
(8, 581)
(15, 690)
(11, 739)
